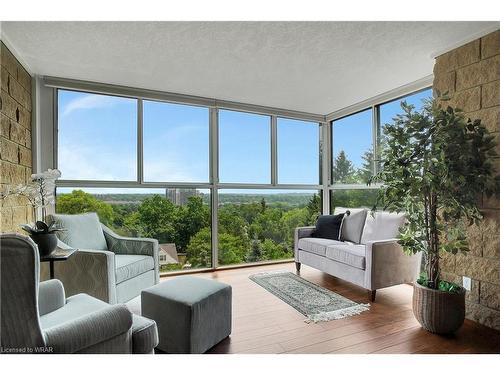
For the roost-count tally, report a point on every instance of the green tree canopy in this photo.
(366, 171)
(78, 202)
(343, 169)
(199, 249)
(156, 217)
(190, 219)
(232, 249)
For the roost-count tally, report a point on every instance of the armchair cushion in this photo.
(50, 296)
(76, 306)
(129, 266)
(81, 231)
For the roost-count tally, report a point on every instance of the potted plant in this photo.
(44, 236)
(40, 195)
(435, 164)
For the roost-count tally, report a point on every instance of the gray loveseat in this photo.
(107, 266)
(368, 255)
(36, 317)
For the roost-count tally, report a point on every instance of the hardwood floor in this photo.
(262, 323)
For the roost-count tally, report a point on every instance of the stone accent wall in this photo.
(15, 138)
(471, 75)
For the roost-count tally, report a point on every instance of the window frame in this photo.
(213, 184)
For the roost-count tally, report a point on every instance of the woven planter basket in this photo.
(437, 311)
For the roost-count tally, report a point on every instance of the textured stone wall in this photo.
(15, 138)
(471, 75)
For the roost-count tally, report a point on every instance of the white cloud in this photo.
(90, 163)
(89, 101)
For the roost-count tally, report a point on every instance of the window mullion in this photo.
(214, 179)
(140, 142)
(376, 137)
(274, 150)
(325, 154)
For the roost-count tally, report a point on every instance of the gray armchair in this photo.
(36, 317)
(107, 266)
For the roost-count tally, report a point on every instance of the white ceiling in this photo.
(315, 67)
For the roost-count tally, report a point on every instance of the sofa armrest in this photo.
(301, 232)
(89, 330)
(388, 265)
(50, 296)
(89, 271)
(132, 246)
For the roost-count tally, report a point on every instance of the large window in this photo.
(244, 147)
(156, 169)
(97, 137)
(258, 225)
(176, 145)
(298, 152)
(178, 218)
(352, 149)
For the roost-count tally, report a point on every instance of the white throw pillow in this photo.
(352, 225)
(382, 225)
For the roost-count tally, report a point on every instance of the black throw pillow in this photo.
(328, 226)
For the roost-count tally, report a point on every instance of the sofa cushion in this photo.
(80, 231)
(382, 225)
(348, 253)
(129, 266)
(316, 245)
(352, 225)
(328, 226)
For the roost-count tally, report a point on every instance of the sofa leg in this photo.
(297, 266)
(371, 295)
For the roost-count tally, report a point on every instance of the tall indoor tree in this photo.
(435, 164)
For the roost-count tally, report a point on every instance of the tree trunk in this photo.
(433, 265)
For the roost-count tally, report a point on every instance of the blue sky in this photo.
(98, 141)
(353, 133)
(176, 142)
(389, 110)
(98, 136)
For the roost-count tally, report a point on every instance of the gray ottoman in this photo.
(192, 314)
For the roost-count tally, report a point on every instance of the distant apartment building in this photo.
(180, 197)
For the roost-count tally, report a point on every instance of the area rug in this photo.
(316, 303)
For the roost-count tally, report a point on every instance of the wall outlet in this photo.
(466, 282)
